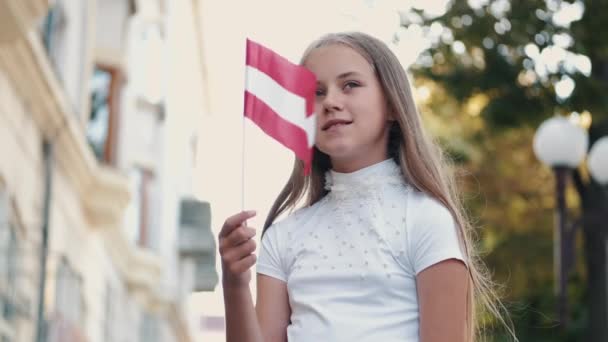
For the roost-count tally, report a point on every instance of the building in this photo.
(99, 238)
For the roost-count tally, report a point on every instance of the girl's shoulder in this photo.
(425, 210)
(297, 217)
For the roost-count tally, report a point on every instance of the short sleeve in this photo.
(433, 237)
(270, 261)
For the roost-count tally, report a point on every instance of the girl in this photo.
(381, 250)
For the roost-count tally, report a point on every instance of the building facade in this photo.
(100, 239)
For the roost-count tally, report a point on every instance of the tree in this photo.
(527, 60)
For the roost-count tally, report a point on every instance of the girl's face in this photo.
(352, 116)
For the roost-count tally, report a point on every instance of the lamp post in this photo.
(562, 145)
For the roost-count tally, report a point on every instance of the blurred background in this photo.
(121, 153)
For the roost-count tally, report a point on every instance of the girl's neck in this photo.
(348, 166)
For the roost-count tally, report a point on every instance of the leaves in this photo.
(518, 56)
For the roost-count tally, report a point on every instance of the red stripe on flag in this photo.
(295, 78)
(288, 134)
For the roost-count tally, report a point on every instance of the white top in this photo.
(350, 260)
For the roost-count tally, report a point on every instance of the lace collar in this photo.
(382, 173)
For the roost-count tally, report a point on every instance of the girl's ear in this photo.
(390, 115)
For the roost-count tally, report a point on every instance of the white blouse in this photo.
(350, 260)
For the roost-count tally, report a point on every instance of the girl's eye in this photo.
(319, 92)
(350, 85)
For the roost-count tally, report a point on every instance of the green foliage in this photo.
(489, 93)
(495, 61)
(509, 195)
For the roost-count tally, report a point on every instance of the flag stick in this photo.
(243, 166)
(243, 155)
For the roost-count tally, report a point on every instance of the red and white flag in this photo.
(279, 98)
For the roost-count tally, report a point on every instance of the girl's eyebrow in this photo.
(348, 74)
(345, 75)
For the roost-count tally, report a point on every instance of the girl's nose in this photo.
(333, 102)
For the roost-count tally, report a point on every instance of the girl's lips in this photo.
(331, 123)
(336, 127)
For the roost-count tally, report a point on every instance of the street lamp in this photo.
(562, 145)
(598, 161)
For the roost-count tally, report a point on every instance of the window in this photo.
(8, 260)
(66, 322)
(103, 120)
(8, 270)
(65, 33)
(53, 34)
(146, 53)
(143, 214)
(116, 307)
(68, 294)
(108, 327)
(149, 328)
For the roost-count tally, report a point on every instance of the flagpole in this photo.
(243, 144)
(243, 165)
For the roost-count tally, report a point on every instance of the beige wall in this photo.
(20, 171)
(71, 236)
(88, 201)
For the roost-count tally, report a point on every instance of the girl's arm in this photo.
(236, 247)
(442, 299)
(241, 321)
(244, 323)
(272, 308)
(267, 322)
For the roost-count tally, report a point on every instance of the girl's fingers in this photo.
(235, 254)
(235, 221)
(238, 236)
(235, 238)
(243, 264)
(236, 245)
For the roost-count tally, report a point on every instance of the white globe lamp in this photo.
(560, 143)
(598, 161)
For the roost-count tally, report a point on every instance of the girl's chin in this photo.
(340, 151)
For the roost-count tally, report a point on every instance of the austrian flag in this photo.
(279, 98)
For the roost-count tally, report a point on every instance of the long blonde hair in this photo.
(422, 162)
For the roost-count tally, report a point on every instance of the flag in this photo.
(279, 98)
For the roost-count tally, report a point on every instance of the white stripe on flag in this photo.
(286, 104)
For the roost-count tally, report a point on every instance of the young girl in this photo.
(381, 250)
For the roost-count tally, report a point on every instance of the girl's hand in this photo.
(236, 247)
